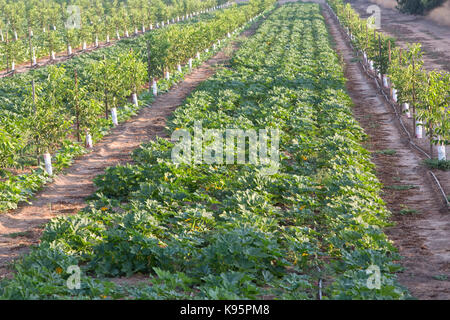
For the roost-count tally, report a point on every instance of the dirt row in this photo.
(422, 225)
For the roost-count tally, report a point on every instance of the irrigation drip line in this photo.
(440, 188)
(393, 106)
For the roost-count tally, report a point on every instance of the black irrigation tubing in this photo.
(112, 43)
(393, 106)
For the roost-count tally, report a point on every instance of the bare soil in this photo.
(66, 195)
(422, 225)
(435, 38)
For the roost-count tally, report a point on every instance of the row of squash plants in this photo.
(33, 29)
(55, 108)
(215, 231)
(424, 95)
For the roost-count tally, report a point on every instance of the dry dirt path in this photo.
(67, 193)
(423, 235)
(435, 38)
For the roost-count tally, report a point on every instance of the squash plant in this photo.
(11, 144)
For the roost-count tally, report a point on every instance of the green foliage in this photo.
(66, 104)
(99, 19)
(230, 231)
(438, 164)
(49, 123)
(418, 6)
(427, 93)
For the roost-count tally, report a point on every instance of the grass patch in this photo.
(402, 187)
(388, 152)
(406, 211)
(437, 164)
(441, 277)
(18, 234)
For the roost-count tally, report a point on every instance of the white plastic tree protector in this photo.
(206, 50)
(151, 26)
(84, 45)
(385, 81)
(136, 30)
(107, 38)
(229, 35)
(371, 65)
(394, 94)
(127, 34)
(114, 116)
(419, 129)
(155, 88)
(89, 143)
(13, 66)
(214, 46)
(406, 110)
(53, 55)
(190, 63)
(198, 55)
(96, 41)
(69, 50)
(34, 57)
(117, 35)
(135, 99)
(48, 163)
(441, 151)
(167, 75)
(143, 29)
(365, 57)
(179, 68)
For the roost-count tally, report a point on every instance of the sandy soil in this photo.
(423, 234)
(435, 38)
(66, 195)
